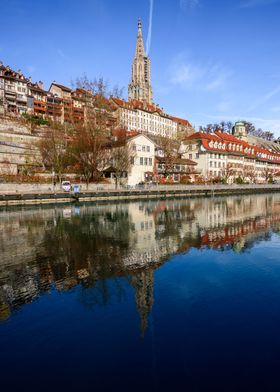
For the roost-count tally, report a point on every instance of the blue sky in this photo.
(211, 60)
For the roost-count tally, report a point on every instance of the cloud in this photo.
(224, 106)
(31, 69)
(189, 4)
(257, 3)
(149, 38)
(61, 53)
(208, 77)
(275, 109)
(264, 99)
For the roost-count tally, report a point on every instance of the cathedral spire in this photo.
(140, 86)
(139, 27)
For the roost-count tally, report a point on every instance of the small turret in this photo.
(239, 130)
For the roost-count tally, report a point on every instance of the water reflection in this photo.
(105, 248)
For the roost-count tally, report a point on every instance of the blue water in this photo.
(97, 298)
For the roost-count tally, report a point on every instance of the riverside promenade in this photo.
(29, 195)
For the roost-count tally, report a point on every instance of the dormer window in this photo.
(220, 145)
(233, 147)
(215, 145)
(229, 146)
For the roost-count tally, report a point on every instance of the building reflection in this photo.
(103, 249)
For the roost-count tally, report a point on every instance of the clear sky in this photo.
(211, 60)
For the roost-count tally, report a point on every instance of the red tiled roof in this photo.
(178, 161)
(202, 135)
(181, 121)
(64, 88)
(228, 140)
(134, 104)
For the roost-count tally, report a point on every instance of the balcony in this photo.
(10, 88)
(39, 106)
(21, 98)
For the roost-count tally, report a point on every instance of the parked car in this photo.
(66, 186)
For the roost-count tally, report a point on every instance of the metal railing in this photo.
(172, 188)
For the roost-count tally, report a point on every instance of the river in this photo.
(177, 295)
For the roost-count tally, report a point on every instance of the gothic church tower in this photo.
(140, 86)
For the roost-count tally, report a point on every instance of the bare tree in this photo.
(258, 132)
(267, 174)
(170, 150)
(54, 149)
(227, 172)
(87, 150)
(223, 126)
(250, 174)
(89, 138)
(122, 159)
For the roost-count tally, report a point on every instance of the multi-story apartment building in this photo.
(13, 90)
(148, 118)
(230, 156)
(65, 95)
(36, 101)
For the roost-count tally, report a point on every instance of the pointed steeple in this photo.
(139, 27)
(140, 86)
(140, 50)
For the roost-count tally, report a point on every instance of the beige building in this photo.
(148, 118)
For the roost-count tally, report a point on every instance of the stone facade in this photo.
(140, 87)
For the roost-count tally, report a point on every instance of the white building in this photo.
(141, 151)
(148, 118)
(221, 155)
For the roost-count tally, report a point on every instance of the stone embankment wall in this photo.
(18, 145)
(110, 195)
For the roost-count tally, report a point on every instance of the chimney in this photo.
(40, 84)
(30, 79)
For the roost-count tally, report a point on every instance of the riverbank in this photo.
(100, 194)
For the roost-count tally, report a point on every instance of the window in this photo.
(132, 160)
(148, 149)
(141, 161)
(150, 161)
(134, 147)
(197, 155)
(143, 148)
(190, 156)
(146, 161)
